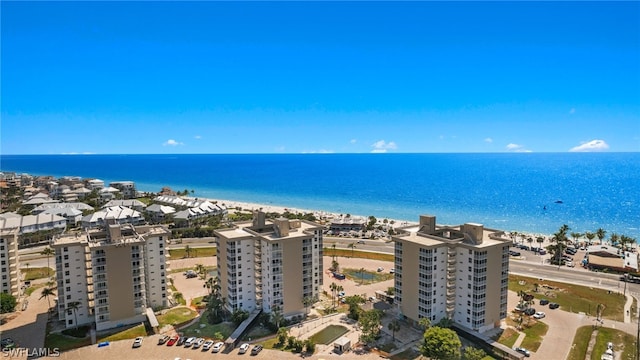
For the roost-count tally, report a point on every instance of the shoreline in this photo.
(519, 237)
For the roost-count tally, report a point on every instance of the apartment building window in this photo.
(67, 281)
(65, 249)
(68, 297)
(161, 252)
(161, 267)
(4, 277)
(66, 257)
(4, 262)
(66, 273)
(66, 265)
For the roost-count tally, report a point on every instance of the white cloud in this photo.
(572, 111)
(280, 148)
(516, 148)
(172, 142)
(382, 146)
(197, 137)
(78, 153)
(489, 140)
(591, 146)
(353, 141)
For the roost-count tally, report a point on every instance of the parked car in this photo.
(341, 294)
(181, 341)
(189, 341)
(198, 343)
(380, 269)
(256, 349)
(530, 311)
(392, 271)
(207, 345)
(243, 348)
(173, 340)
(7, 343)
(570, 264)
(542, 252)
(137, 342)
(522, 350)
(218, 346)
(554, 305)
(539, 315)
(163, 340)
(544, 301)
(514, 253)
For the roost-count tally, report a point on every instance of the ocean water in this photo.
(508, 191)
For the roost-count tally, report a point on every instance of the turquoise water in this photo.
(533, 192)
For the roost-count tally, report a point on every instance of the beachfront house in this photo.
(119, 214)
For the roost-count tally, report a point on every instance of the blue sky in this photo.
(301, 77)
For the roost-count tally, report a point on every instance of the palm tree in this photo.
(614, 238)
(339, 289)
(590, 236)
(209, 284)
(187, 250)
(333, 287)
(74, 306)
(333, 246)
(540, 240)
(600, 233)
(46, 292)
(276, 316)
(530, 240)
(575, 236)
(361, 276)
(48, 252)
(394, 326)
(201, 270)
(352, 246)
(307, 301)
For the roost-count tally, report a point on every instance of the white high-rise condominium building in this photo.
(458, 272)
(110, 277)
(9, 262)
(268, 264)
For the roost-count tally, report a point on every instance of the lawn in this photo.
(64, 343)
(195, 252)
(37, 273)
(580, 343)
(534, 334)
(130, 333)
(176, 316)
(33, 288)
(368, 277)
(572, 298)
(202, 328)
(622, 342)
(508, 337)
(358, 254)
(327, 335)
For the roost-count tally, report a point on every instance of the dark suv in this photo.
(554, 305)
(544, 301)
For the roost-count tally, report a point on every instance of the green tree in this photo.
(539, 240)
(187, 250)
(307, 301)
(276, 316)
(361, 276)
(74, 306)
(576, 236)
(471, 353)
(46, 293)
(238, 316)
(310, 346)
(424, 323)
(333, 287)
(48, 252)
(394, 326)
(441, 344)
(601, 233)
(354, 302)
(370, 322)
(614, 239)
(590, 236)
(283, 335)
(335, 266)
(201, 270)
(7, 303)
(352, 246)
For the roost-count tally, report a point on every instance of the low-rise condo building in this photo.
(455, 272)
(110, 277)
(269, 264)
